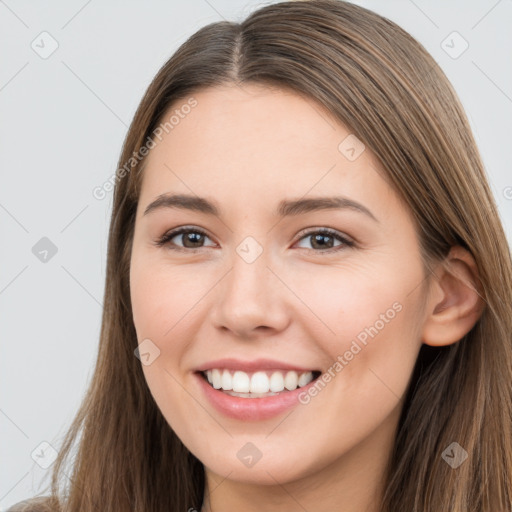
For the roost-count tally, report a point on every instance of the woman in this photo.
(308, 296)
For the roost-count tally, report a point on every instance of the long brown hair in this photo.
(379, 81)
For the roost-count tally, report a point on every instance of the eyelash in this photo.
(167, 237)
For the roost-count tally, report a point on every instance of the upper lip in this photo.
(251, 366)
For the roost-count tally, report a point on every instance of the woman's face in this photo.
(255, 290)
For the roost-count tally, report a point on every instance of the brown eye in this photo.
(323, 240)
(191, 238)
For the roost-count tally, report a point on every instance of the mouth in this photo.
(257, 384)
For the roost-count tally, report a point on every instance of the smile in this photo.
(257, 384)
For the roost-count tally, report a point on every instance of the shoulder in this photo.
(39, 504)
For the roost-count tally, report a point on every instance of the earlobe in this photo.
(455, 303)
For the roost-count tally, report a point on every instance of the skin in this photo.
(247, 148)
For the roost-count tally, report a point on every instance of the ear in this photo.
(455, 300)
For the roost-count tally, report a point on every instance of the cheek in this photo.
(368, 322)
(350, 303)
(161, 303)
(372, 354)
(161, 296)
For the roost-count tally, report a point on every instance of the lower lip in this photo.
(251, 409)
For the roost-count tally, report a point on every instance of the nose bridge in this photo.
(249, 296)
(249, 280)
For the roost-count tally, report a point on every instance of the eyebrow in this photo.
(285, 208)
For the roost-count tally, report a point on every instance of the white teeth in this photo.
(277, 382)
(227, 380)
(260, 383)
(305, 378)
(241, 382)
(291, 380)
(217, 379)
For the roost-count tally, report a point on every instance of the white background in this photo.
(63, 120)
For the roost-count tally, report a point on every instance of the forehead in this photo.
(257, 143)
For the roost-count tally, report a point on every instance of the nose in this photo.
(251, 299)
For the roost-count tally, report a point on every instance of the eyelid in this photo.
(347, 241)
(170, 234)
(325, 229)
